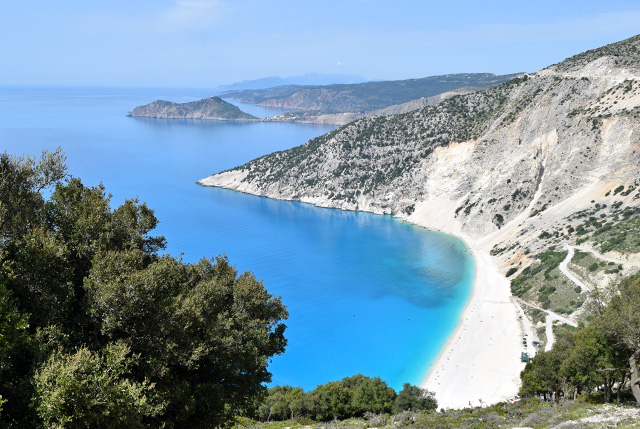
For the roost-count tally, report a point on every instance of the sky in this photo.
(205, 43)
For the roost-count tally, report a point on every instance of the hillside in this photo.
(320, 117)
(209, 108)
(539, 175)
(362, 97)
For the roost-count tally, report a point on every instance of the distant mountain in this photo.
(362, 97)
(305, 79)
(209, 108)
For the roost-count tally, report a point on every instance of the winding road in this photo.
(601, 256)
(565, 270)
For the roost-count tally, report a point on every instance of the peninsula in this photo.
(521, 171)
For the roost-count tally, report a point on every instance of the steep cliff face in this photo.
(503, 164)
(209, 108)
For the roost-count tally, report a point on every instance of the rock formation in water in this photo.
(209, 108)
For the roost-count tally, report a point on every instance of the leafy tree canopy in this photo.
(99, 330)
(601, 354)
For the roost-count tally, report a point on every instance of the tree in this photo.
(599, 354)
(22, 179)
(81, 283)
(87, 389)
(335, 400)
(198, 326)
(14, 357)
(282, 403)
(621, 321)
(371, 395)
(352, 397)
(415, 399)
(592, 360)
(543, 375)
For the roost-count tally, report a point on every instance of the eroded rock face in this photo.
(501, 164)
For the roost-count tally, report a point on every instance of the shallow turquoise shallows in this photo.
(366, 294)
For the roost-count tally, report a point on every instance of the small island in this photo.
(213, 108)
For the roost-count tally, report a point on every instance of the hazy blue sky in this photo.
(203, 43)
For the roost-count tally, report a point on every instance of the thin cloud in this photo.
(604, 25)
(183, 16)
(198, 14)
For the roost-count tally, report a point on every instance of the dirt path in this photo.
(551, 316)
(565, 270)
(601, 256)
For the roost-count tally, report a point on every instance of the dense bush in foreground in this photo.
(355, 396)
(98, 330)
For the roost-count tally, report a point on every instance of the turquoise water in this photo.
(366, 294)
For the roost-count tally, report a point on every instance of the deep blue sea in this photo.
(366, 293)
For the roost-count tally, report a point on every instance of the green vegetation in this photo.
(599, 355)
(586, 267)
(363, 97)
(98, 330)
(529, 412)
(617, 228)
(619, 231)
(544, 283)
(350, 397)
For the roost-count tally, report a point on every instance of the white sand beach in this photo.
(480, 363)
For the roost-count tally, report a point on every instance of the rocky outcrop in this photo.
(209, 108)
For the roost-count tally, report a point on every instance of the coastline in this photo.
(480, 362)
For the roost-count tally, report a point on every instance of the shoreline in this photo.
(480, 362)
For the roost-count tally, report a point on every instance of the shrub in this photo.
(415, 399)
(90, 389)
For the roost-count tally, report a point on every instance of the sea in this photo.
(366, 294)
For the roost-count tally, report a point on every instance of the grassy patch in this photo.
(544, 284)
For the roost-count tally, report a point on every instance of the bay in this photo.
(366, 293)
